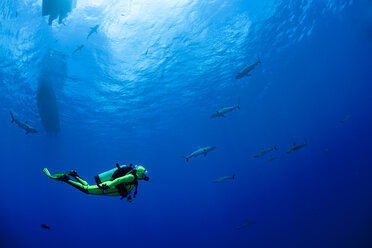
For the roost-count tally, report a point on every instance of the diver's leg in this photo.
(81, 185)
(77, 185)
(59, 177)
(81, 181)
(93, 190)
(78, 178)
(87, 189)
(64, 177)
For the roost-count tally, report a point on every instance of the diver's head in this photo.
(142, 173)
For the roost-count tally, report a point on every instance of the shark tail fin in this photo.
(12, 117)
(275, 148)
(185, 157)
(233, 176)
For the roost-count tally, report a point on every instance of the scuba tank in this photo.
(109, 175)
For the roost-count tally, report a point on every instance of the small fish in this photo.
(93, 30)
(200, 151)
(295, 147)
(23, 125)
(79, 48)
(264, 151)
(247, 69)
(222, 179)
(246, 224)
(45, 226)
(347, 117)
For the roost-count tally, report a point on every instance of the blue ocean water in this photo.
(142, 90)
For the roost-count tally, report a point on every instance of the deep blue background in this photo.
(301, 91)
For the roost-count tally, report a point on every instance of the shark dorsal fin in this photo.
(26, 122)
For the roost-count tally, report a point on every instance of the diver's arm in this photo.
(124, 179)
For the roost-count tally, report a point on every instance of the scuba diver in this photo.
(115, 182)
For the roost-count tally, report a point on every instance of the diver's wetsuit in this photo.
(95, 190)
(108, 188)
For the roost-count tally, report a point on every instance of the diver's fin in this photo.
(46, 172)
(11, 116)
(59, 177)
